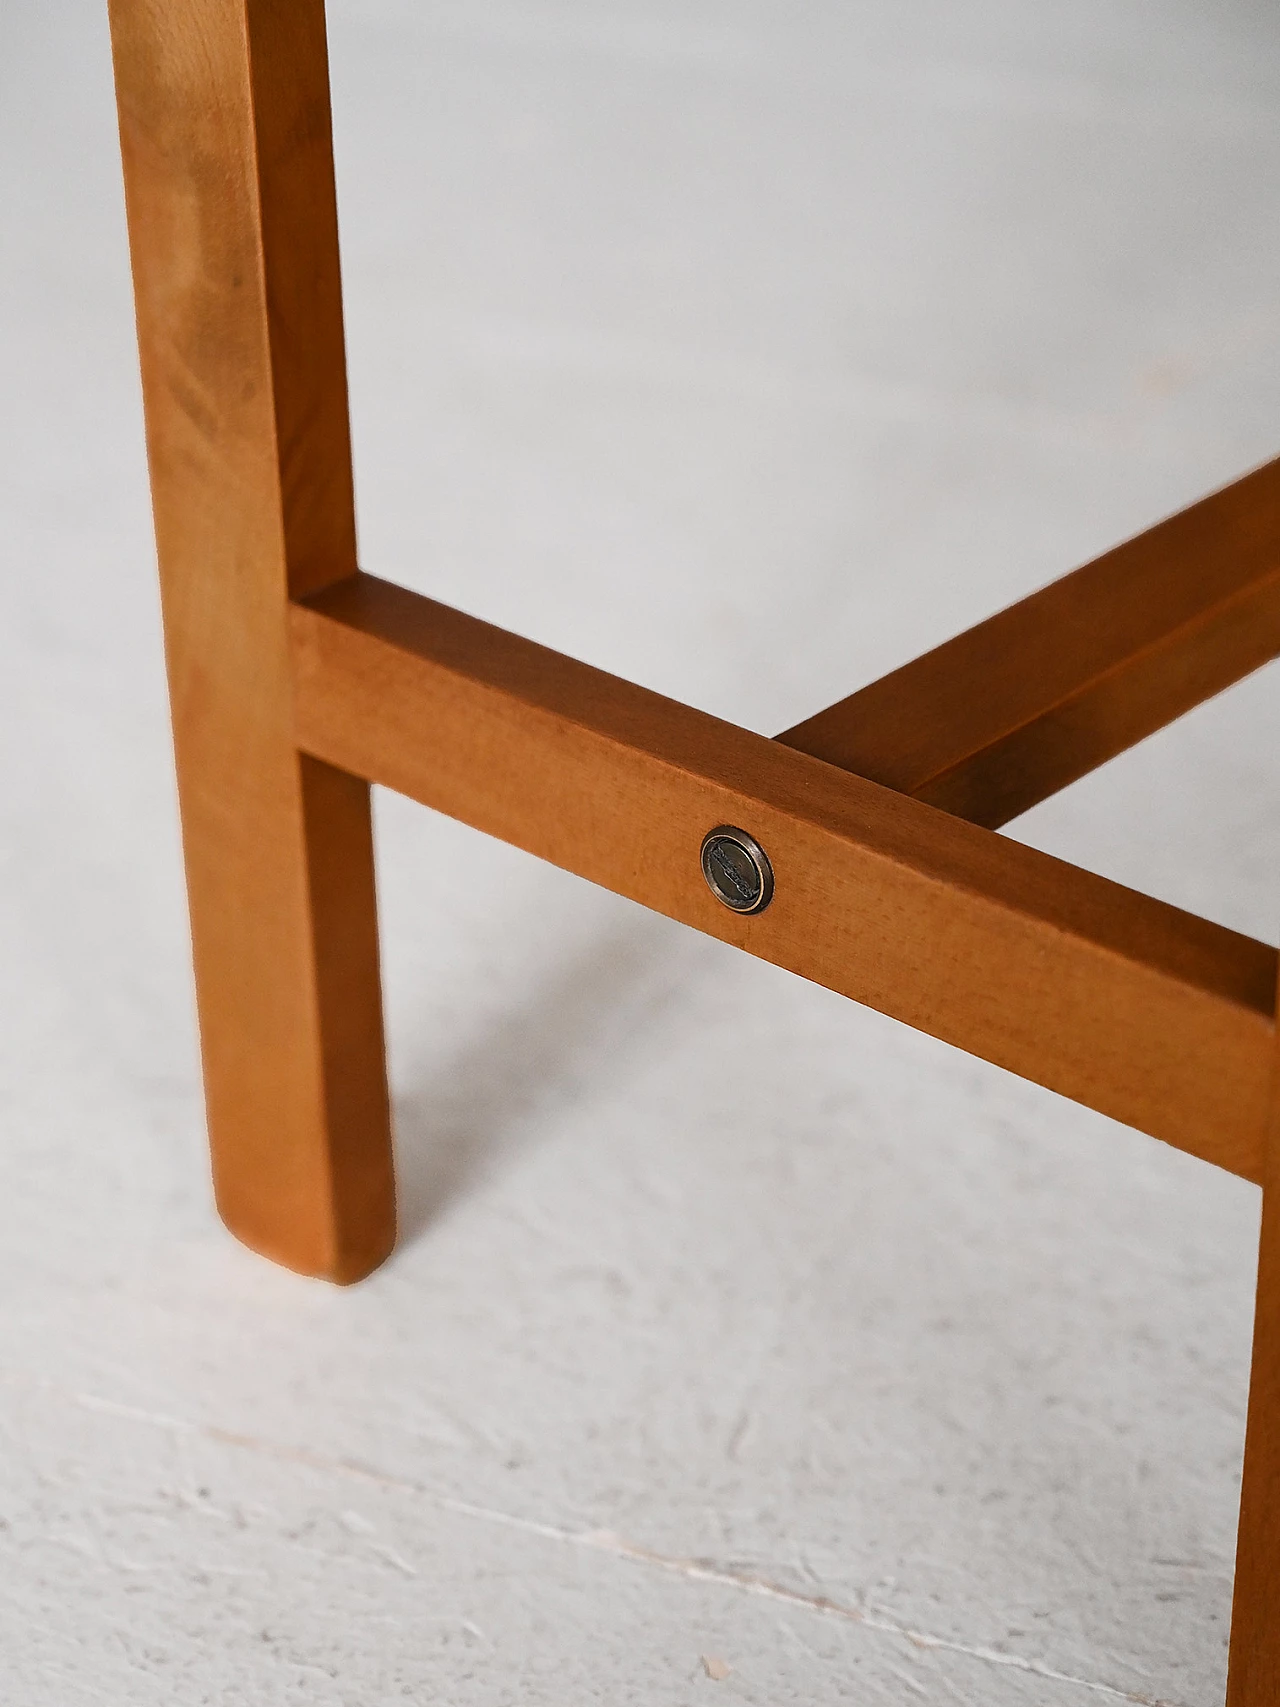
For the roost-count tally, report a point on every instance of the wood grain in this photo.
(224, 123)
(1007, 713)
(1254, 1668)
(1155, 1017)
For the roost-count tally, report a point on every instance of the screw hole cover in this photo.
(737, 869)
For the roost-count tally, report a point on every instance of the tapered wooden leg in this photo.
(1254, 1671)
(225, 131)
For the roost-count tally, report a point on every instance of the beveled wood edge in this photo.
(229, 195)
(1160, 1019)
(1012, 710)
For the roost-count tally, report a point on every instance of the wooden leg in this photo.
(224, 120)
(1254, 1671)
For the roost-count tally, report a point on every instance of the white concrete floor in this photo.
(746, 349)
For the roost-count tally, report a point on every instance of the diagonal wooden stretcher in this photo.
(296, 680)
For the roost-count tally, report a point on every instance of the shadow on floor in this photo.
(585, 1022)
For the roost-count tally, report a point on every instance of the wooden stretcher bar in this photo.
(1147, 1013)
(1005, 714)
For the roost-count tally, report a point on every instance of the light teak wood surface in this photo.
(1145, 1012)
(224, 124)
(1254, 1672)
(295, 680)
(1007, 713)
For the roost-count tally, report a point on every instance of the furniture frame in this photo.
(296, 680)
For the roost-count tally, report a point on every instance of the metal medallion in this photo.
(737, 869)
